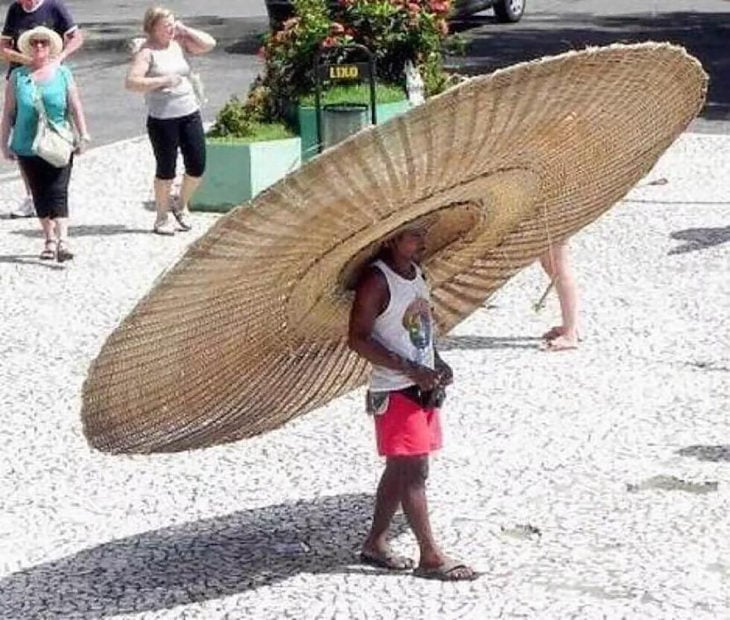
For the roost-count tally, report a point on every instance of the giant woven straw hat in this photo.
(249, 329)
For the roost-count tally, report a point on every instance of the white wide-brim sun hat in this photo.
(40, 32)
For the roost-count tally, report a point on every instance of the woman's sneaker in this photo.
(24, 209)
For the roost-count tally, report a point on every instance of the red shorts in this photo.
(407, 429)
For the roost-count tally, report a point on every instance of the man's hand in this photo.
(446, 375)
(425, 378)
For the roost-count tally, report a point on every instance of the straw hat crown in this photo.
(40, 32)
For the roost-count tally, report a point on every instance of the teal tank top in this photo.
(54, 94)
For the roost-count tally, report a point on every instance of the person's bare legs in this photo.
(49, 236)
(387, 501)
(64, 253)
(556, 263)
(162, 204)
(187, 189)
(414, 472)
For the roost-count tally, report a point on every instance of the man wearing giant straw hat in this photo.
(391, 326)
(250, 328)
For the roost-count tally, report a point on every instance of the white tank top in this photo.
(404, 327)
(172, 102)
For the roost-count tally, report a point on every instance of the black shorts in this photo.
(48, 185)
(169, 134)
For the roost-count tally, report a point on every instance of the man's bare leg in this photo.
(557, 265)
(414, 471)
(387, 501)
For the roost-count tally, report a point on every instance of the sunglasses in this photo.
(42, 42)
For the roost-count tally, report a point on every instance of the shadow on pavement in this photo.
(699, 239)
(461, 343)
(29, 259)
(195, 562)
(707, 453)
(705, 36)
(88, 230)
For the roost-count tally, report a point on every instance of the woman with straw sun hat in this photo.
(23, 15)
(44, 84)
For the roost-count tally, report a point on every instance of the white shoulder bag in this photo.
(53, 142)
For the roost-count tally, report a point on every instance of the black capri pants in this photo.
(48, 186)
(185, 132)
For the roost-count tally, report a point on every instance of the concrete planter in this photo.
(236, 172)
(306, 121)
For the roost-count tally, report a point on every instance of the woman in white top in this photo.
(159, 69)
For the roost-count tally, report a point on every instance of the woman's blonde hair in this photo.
(152, 16)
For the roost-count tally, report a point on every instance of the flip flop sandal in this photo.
(448, 571)
(388, 561)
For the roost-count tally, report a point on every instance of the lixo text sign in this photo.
(345, 72)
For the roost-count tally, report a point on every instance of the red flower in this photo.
(439, 7)
(413, 7)
(329, 42)
(337, 28)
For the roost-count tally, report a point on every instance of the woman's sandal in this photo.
(63, 253)
(49, 251)
(181, 216)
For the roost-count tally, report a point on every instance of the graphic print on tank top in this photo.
(418, 324)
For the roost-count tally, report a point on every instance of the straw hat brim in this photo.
(249, 329)
(40, 32)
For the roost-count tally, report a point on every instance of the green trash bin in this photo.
(340, 120)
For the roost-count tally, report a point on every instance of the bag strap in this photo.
(43, 117)
(38, 102)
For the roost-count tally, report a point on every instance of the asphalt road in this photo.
(549, 27)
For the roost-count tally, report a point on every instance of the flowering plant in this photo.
(394, 30)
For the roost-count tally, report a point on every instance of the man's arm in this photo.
(8, 117)
(371, 297)
(72, 41)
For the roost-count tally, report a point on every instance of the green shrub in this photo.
(257, 132)
(358, 93)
